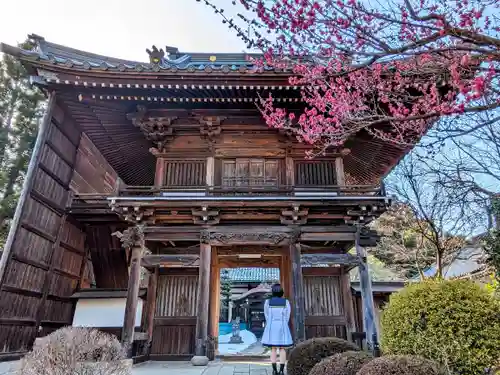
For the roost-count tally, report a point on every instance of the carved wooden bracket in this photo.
(205, 216)
(132, 237)
(363, 214)
(210, 128)
(157, 129)
(132, 214)
(295, 215)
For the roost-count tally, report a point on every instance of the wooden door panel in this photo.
(324, 304)
(228, 172)
(271, 173)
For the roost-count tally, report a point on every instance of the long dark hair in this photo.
(277, 291)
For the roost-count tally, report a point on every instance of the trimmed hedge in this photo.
(306, 354)
(454, 322)
(347, 363)
(400, 365)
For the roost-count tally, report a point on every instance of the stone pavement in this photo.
(182, 368)
(213, 368)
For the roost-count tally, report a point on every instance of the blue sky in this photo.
(120, 28)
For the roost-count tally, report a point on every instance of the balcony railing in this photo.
(253, 190)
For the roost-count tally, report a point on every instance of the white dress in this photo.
(277, 332)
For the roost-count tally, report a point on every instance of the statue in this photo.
(236, 338)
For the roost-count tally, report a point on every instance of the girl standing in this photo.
(277, 332)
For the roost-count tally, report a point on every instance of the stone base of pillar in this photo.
(199, 360)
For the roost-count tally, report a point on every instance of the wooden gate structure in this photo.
(174, 157)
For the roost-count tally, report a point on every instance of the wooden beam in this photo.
(29, 179)
(346, 260)
(298, 294)
(203, 300)
(132, 299)
(365, 282)
(150, 308)
(156, 260)
(327, 237)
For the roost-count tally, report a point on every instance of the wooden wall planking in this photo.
(324, 303)
(109, 262)
(93, 174)
(47, 251)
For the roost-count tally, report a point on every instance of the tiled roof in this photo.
(170, 60)
(253, 274)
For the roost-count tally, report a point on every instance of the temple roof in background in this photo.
(253, 274)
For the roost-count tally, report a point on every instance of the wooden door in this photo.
(324, 303)
(175, 315)
(250, 172)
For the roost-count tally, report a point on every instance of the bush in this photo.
(347, 363)
(74, 350)
(306, 354)
(456, 323)
(400, 365)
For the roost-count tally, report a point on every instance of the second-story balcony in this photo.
(248, 188)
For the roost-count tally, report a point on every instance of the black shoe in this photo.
(275, 369)
(282, 369)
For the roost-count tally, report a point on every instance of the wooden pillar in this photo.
(203, 300)
(366, 296)
(298, 294)
(339, 171)
(29, 179)
(133, 288)
(289, 171)
(160, 172)
(151, 307)
(214, 296)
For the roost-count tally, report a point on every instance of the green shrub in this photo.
(347, 363)
(456, 323)
(400, 365)
(306, 354)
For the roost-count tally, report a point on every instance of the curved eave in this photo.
(110, 66)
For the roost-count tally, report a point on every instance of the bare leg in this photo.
(282, 355)
(274, 355)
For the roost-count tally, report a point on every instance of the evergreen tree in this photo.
(225, 288)
(21, 107)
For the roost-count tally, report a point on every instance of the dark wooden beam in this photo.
(149, 261)
(203, 300)
(298, 294)
(345, 260)
(132, 299)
